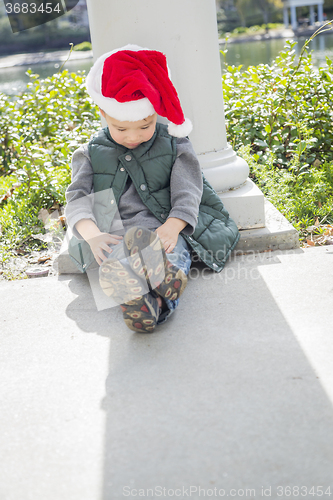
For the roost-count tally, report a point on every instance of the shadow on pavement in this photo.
(221, 397)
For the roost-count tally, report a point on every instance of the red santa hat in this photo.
(132, 83)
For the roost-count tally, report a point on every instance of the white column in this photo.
(286, 17)
(320, 13)
(293, 17)
(186, 31)
(312, 16)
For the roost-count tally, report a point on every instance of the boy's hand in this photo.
(101, 243)
(169, 232)
(98, 241)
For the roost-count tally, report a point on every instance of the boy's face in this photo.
(131, 134)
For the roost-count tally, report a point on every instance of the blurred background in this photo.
(251, 32)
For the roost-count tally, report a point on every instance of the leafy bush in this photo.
(239, 30)
(278, 117)
(255, 29)
(304, 198)
(83, 46)
(39, 130)
(280, 107)
(283, 114)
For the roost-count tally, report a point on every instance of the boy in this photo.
(151, 173)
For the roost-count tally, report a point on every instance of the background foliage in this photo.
(279, 118)
(232, 14)
(39, 130)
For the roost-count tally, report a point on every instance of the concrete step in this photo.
(278, 234)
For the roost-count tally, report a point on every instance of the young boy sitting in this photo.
(151, 175)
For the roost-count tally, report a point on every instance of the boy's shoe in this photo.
(141, 314)
(147, 257)
(120, 282)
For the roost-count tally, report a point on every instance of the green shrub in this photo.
(83, 46)
(239, 30)
(255, 29)
(281, 108)
(278, 117)
(303, 197)
(274, 26)
(283, 114)
(39, 130)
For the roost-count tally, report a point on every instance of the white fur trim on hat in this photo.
(180, 130)
(123, 111)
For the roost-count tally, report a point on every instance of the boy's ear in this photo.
(102, 112)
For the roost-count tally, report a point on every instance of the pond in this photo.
(254, 53)
(13, 80)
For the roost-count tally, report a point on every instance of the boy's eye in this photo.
(144, 128)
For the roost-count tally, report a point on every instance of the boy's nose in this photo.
(134, 138)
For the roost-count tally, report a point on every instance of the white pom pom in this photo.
(180, 130)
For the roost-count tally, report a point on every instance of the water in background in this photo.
(13, 80)
(254, 53)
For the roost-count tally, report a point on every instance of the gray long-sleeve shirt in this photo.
(185, 190)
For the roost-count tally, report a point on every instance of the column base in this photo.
(278, 234)
(245, 205)
(223, 169)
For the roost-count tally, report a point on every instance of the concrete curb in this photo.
(278, 234)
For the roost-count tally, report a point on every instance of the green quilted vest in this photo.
(149, 167)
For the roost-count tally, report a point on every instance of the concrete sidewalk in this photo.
(233, 395)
